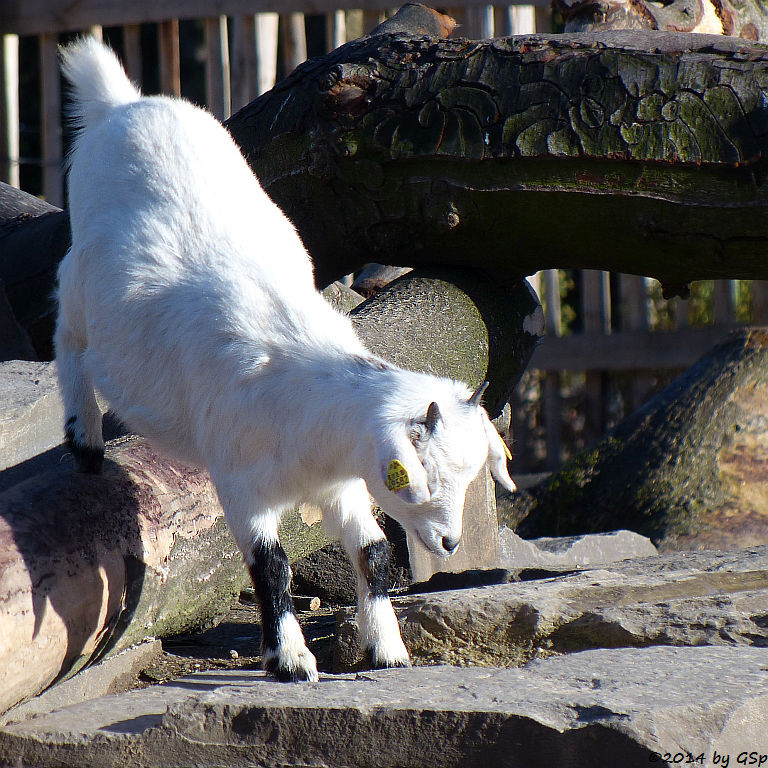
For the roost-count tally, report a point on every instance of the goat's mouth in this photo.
(434, 549)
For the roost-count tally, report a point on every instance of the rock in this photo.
(568, 551)
(114, 674)
(341, 297)
(373, 277)
(327, 573)
(14, 340)
(692, 598)
(597, 708)
(31, 412)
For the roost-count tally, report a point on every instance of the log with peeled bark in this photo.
(689, 469)
(90, 565)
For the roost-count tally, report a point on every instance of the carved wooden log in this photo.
(640, 152)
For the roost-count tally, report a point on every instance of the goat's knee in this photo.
(284, 652)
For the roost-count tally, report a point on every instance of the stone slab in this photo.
(113, 675)
(685, 598)
(31, 411)
(597, 708)
(570, 551)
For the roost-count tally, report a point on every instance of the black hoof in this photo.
(87, 459)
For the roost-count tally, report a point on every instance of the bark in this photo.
(640, 152)
(687, 470)
(34, 236)
(739, 18)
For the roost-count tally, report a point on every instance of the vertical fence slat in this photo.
(723, 309)
(552, 398)
(294, 39)
(132, 52)
(335, 30)
(51, 119)
(522, 19)
(9, 109)
(245, 71)
(217, 92)
(595, 307)
(170, 62)
(760, 302)
(634, 317)
(267, 25)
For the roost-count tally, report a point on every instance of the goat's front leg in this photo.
(349, 518)
(284, 652)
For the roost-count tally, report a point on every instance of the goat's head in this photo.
(427, 462)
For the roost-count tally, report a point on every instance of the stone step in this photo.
(596, 708)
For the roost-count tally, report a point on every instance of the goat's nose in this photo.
(449, 544)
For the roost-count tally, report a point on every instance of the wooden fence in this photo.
(619, 347)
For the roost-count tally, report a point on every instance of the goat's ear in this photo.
(403, 473)
(498, 454)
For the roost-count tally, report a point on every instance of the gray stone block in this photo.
(597, 708)
(571, 551)
(31, 411)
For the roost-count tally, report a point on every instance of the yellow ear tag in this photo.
(506, 451)
(397, 476)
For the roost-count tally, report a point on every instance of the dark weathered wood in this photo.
(688, 469)
(34, 236)
(740, 18)
(632, 151)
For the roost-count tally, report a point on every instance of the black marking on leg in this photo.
(374, 565)
(370, 660)
(271, 576)
(87, 459)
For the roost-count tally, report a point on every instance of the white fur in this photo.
(188, 300)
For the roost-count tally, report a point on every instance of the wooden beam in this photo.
(170, 62)
(34, 17)
(9, 109)
(627, 350)
(51, 120)
(217, 87)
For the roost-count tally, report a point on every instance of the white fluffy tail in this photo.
(99, 82)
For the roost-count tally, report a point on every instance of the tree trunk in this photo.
(90, 565)
(689, 469)
(639, 152)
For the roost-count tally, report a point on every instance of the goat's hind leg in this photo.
(81, 411)
(349, 517)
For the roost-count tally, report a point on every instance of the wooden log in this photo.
(90, 565)
(636, 152)
(687, 470)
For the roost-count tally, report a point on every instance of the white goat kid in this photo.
(188, 300)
